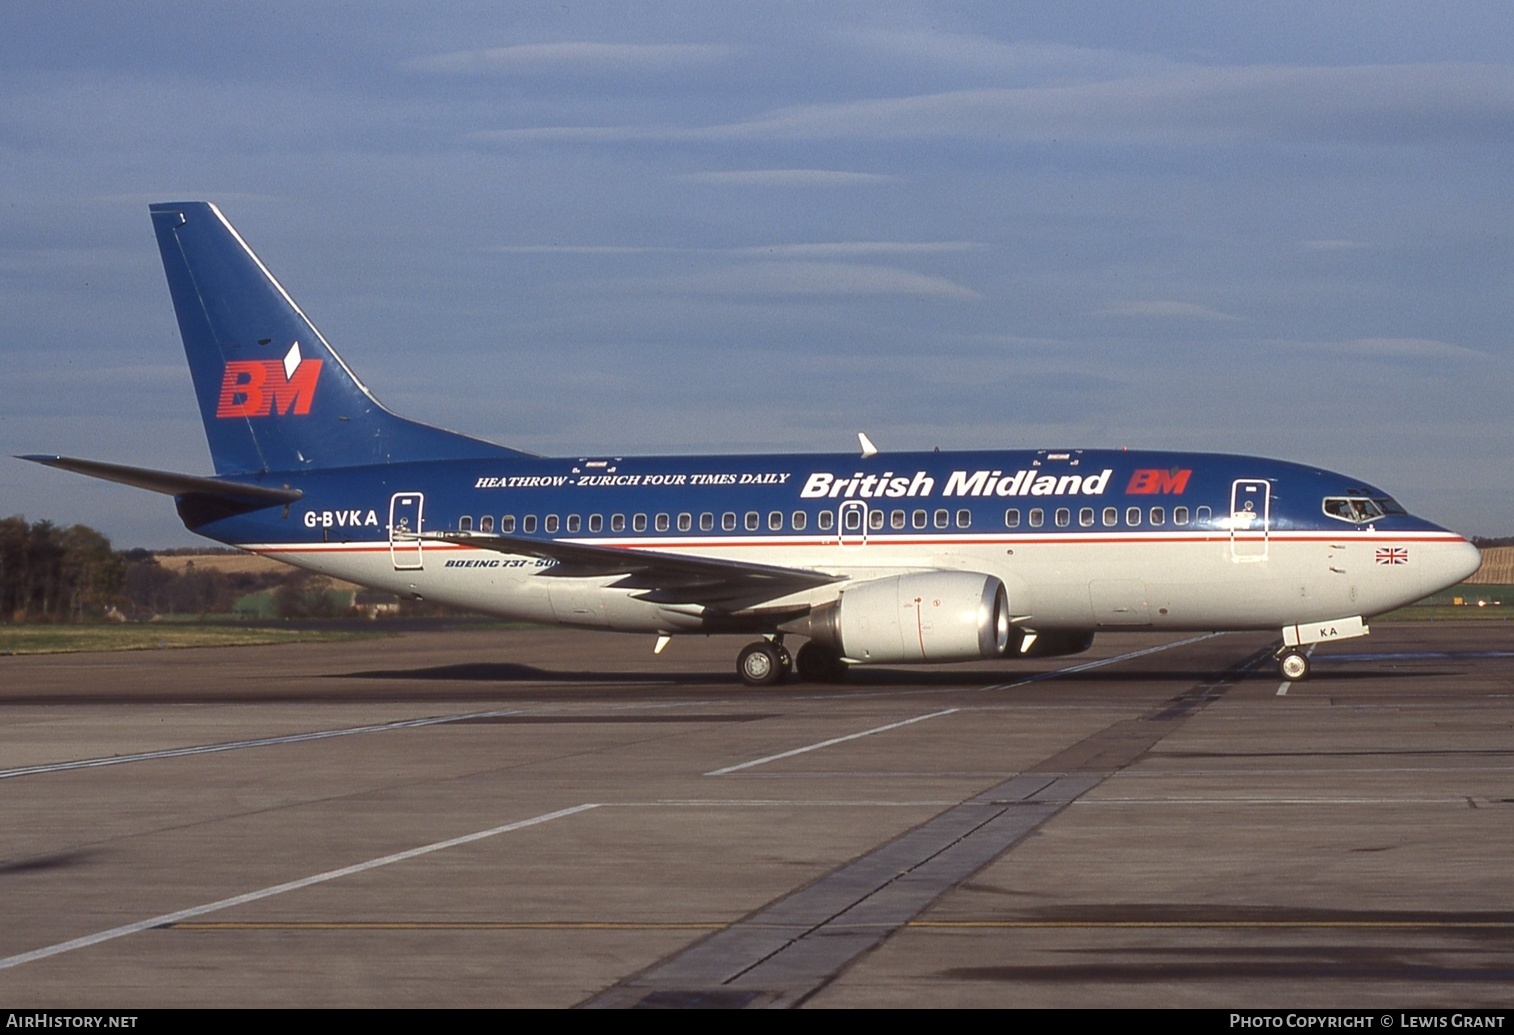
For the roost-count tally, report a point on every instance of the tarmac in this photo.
(552, 818)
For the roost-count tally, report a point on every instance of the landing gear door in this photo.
(404, 526)
(1250, 519)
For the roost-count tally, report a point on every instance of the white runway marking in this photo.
(1090, 665)
(829, 743)
(1038, 677)
(236, 745)
(279, 889)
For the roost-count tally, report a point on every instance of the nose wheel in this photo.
(1293, 664)
(764, 663)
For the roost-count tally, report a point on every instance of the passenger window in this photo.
(1202, 515)
(852, 519)
(753, 521)
(964, 519)
(875, 519)
(1037, 517)
(728, 521)
(507, 524)
(1133, 516)
(798, 520)
(943, 519)
(775, 521)
(897, 519)
(1085, 517)
(1111, 516)
(706, 522)
(1011, 518)
(662, 522)
(486, 523)
(617, 522)
(826, 520)
(596, 522)
(1158, 516)
(528, 524)
(550, 524)
(1180, 515)
(918, 519)
(573, 523)
(1064, 517)
(465, 524)
(685, 522)
(639, 523)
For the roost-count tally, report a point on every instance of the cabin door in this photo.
(1250, 519)
(852, 517)
(404, 526)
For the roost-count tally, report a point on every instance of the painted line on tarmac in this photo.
(1088, 666)
(829, 743)
(237, 745)
(278, 889)
(1040, 676)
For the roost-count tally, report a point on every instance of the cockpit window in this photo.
(1360, 509)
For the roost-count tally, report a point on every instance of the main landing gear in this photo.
(764, 663)
(1292, 664)
(767, 663)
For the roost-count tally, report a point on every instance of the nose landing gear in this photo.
(1292, 664)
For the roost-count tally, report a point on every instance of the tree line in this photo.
(73, 574)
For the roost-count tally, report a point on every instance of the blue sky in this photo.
(1282, 229)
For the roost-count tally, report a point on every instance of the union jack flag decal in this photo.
(1393, 555)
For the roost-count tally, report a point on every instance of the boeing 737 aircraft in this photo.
(872, 557)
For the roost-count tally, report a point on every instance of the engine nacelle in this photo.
(923, 617)
(1054, 644)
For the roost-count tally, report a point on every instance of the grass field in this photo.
(64, 639)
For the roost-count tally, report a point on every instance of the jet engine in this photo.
(922, 617)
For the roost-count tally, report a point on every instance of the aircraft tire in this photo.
(762, 664)
(819, 664)
(1293, 665)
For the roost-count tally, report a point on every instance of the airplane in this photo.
(871, 557)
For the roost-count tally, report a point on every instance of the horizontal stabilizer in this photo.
(172, 484)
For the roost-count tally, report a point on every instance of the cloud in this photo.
(1389, 348)
(767, 251)
(578, 249)
(787, 178)
(1333, 245)
(826, 248)
(598, 58)
(1194, 105)
(821, 278)
(1167, 310)
(970, 52)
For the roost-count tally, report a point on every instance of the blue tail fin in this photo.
(273, 394)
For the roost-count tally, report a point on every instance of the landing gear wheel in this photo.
(1293, 665)
(762, 664)
(819, 664)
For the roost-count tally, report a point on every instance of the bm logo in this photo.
(261, 387)
(1150, 481)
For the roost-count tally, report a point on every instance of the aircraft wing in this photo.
(670, 578)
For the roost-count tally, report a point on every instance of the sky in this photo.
(1281, 229)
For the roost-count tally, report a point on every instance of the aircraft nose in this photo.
(1454, 562)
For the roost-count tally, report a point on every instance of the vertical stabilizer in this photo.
(273, 394)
